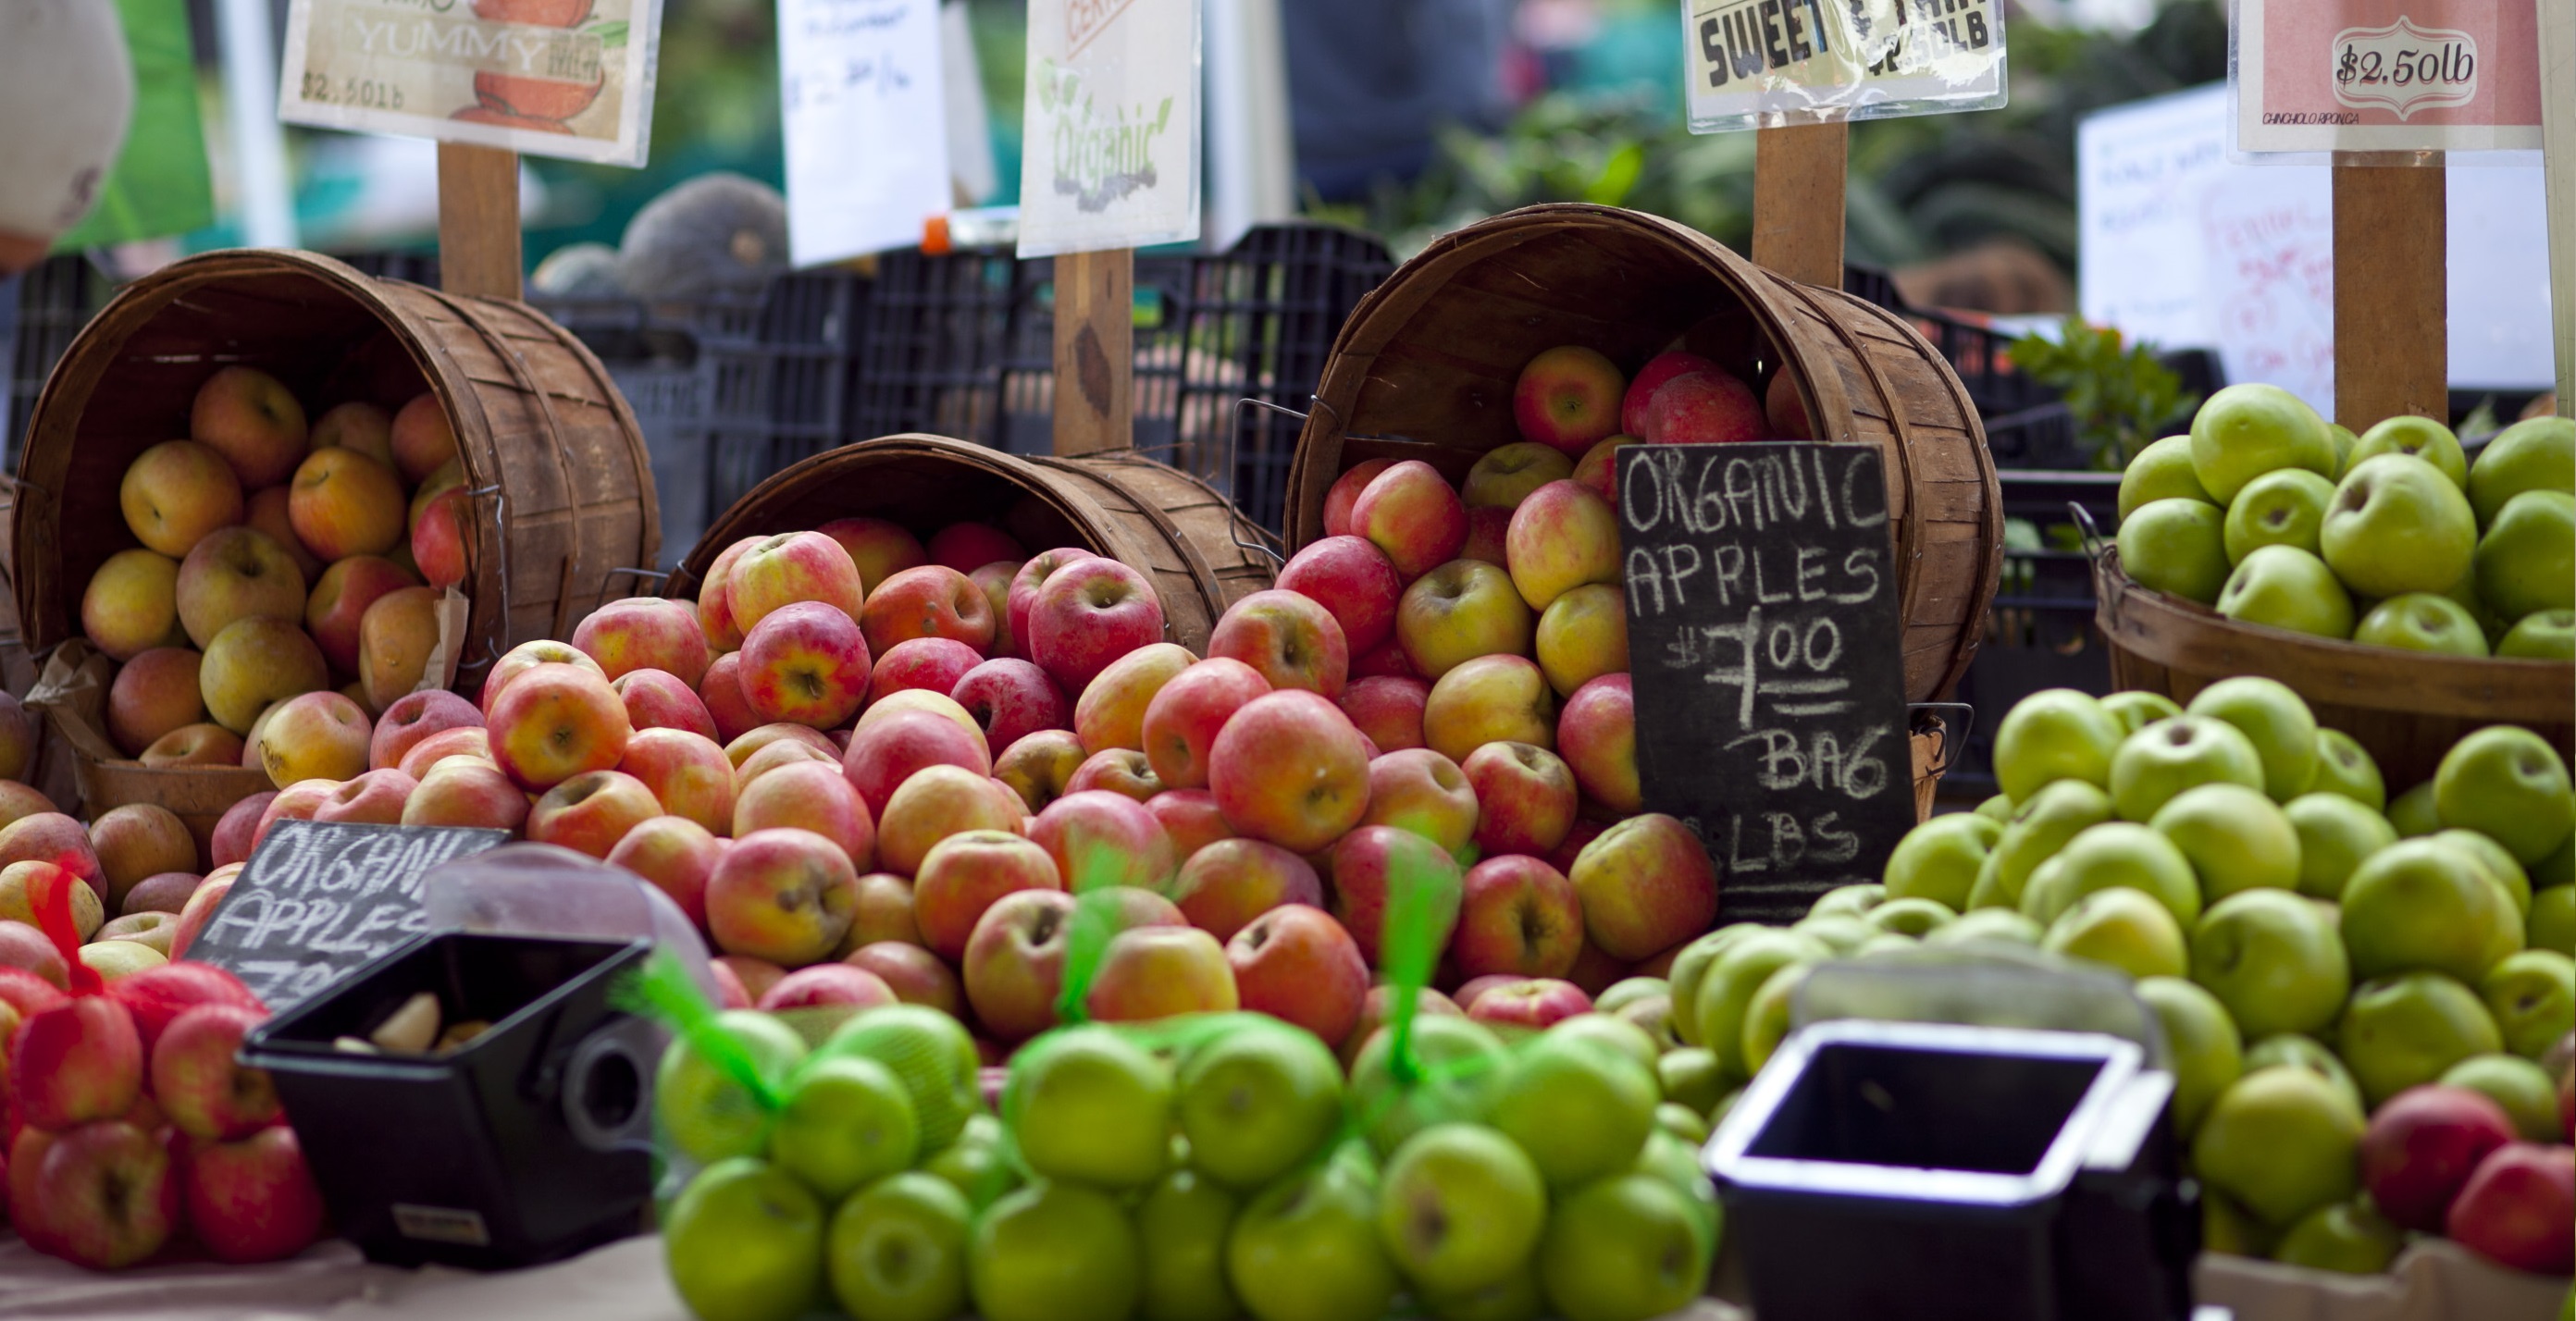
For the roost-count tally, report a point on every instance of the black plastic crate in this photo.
(2040, 633)
(54, 299)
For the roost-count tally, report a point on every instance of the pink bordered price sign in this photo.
(2386, 75)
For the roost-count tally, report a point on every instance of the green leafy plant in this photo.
(2121, 395)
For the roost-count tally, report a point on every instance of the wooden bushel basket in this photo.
(1200, 552)
(1425, 366)
(2405, 707)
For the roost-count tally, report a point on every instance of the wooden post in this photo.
(2392, 340)
(2558, 167)
(1095, 351)
(478, 221)
(1798, 201)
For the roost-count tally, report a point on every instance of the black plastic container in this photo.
(1931, 1171)
(529, 1143)
(2040, 633)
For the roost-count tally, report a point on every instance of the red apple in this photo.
(1037, 766)
(1518, 916)
(254, 1199)
(75, 1062)
(295, 802)
(915, 975)
(526, 656)
(414, 717)
(1650, 378)
(200, 1084)
(1122, 771)
(1353, 580)
(934, 663)
(645, 633)
(787, 569)
(805, 663)
(554, 722)
(967, 546)
(1345, 492)
(675, 855)
(965, 874)
(886, 753)
(813, 796)
(1526, 798)
(56, 838)
(1289, 768)
(200, 908)
(462, 791)
(1013, 962)
(836, 986)
(1388, 710)
(591, 812)
(1646, 883)
(1087, 614)
(157, 996)
(1291, 640)
(2519, 1208)
(1010, 699)
(470, 743)
(1785, 408)
(1567, 398)
(1419, 790)
(1191, 817)
(933, 601)
(1182, 721)
(2422, 1145)
(110, 1198)
(376, 798)
(1227, 885)
(1386, 661)
(440, 540)
(1098, 838)
(1412, 514)
(24, 948)
(1368, 861)
(1598, 469)
(1156, 972)
(1022, 594)
(1530, 1004)
(1702, 408)
(880, 549)
(1294, 962)
(1596, 734)
(781, 895)
(656, 699)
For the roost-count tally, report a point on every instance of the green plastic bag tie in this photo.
(663, 991)
(1408, 947)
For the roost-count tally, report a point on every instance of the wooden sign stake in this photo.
(2392, 342)
(1095, 351)
(1798, 201)
(2558, 168)
(478, 221)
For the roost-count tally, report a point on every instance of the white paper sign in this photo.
(1112, 142)
(860, 92)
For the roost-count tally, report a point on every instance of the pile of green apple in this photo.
(2392, 538)
(2313, 948)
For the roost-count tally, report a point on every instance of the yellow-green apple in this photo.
(2345, 767)
(343, 503)
(1289, 768)
(644, 633)
(1582, 635)
(2335, 834)
(2408, 1029)
(1369, 861)
(2285, 587)
(1412, 514)
(421, 438)
(2541, 635)
(883, 913)
(1939, 859)
(1420, 790)
(812, 796)
(1022, 594)
(1598, 469)
(1227, 885)
(2531, 994)
(805, 663)
(555, 721)
(471, 742)
(656, 699)
(1525, 795)
(591, 812)
(676, 856)
(2507, 783)
(314, 736)
(136, 841)
(1110, 713)
(1597, 735)
(2161, 471)
(151, 930)
(2115, 854)
(2176, 546)
(1157, 972)
(2397, 525)
(1013, 964)
(1290, 639)
(2244, 431)
(1191, 817)
(1387, 710)
(1085, 616)
(2172, 755)
(131, 604)
(964, 546)
(932, 601)
(1459, 611)
(1488, 537)
(1518, 916)
(254, 662)
(153, 694)
(110, 1195)
(2284, 507)
(2422, 621)
(2535, 454)
(929, 664)
(789, 568)
(165, 893)
(23, 884)
(1646, 884)
(995, 578)
(2421, 437)
(1567, 398)
(236, 573)
(1345, 492)
(463, 791)
(2422, 1146)
(1560, 538)
(252, 1199)
(1009, 699)
(2235, 838)
(2427, 903)
(721, 692)
(714, 605)
(1122, 771)
(936, 803)
(1486, 699)
(784, 895)
(2206, 1050)
(1182, 718)
(2281, 1140)
(412, 718)
(2526, 562)
(374, 798)
(396, 636)
(1703, 408)
(175, 493)
(967, 873)
(2276, 721)
(1523, 1005)
(253, 420)
(526, 656)
(886, 752)
(1504, 475)
(266, 511)
(356, 425)
(1038, 765)
(2122, 929)
(1098, 838)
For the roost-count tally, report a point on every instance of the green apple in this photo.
(1990, 924)
(1996, 807)
(2422, 903)
(1089, 1106)
(2123, 929)
(744, 1242)
(2349, 1237)
(2040, 827)
(1939, 859)
(2522, 1088)
(1885, 942)
(2411, 1028)
(2205, 1051)
(1461, 1205)
(1914, 917)
(2508, 783)
(2499, 863)
(2274, 959)
(2344, 767)
(1694, 961)
(1614, 1035)
(2303, 1052)
(1691, 1076)
(2286, 588)
(1307, 1248)
(702, 1110)
(1507, 473)
(2284, 507)
(1843, 932)
(1682, 1122)
(2170, 756)
(1464, 1069)
(1729, 986)
(2245, 431)
(975, 1164)
(1676, 1162)
(2162, 471)
(1620, 1249)
(1628, 990)
(2397, 525)
(2412, 813)
(2526, 562)
(2335, 834)
(2422, 437)
(2054, 734)
(2230, 1230)
(1183, 1225)
(2541, 635)
(2535, 454)
(1847, 900)
(1579, 1112)
(847, 1122)
(1256, 1101)
(2552, 924)
(2344, 442)
(2532, 996)
(2178, 547)
(2115, 855)
(1766, 1018)
(2422, 621)
(2283, 1141)
(1515, 1297)
(2558, 866)
(2276, 720)
(2236, 838)
(1057, 1251)
(933, 1056)
(2136, 709)
(897, 1250)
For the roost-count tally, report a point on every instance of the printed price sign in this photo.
(2387, 75)
(569, 78)
(1764, 63)
(1762, 644)
(1112, 141)
(860, 89)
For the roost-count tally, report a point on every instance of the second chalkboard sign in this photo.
(1763, 651)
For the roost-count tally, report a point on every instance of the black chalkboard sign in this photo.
(1764, 649)
(319, 900)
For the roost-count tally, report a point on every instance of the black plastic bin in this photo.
(527, 1144)
(1936, 1171)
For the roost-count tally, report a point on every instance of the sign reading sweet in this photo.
(2386, 75)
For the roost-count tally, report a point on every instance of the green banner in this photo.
(160, 185)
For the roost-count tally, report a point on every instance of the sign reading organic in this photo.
(861, 97)
(2387, 75)
(1763, 649)
(1111, 154)
(1764, 63)
(570, 78)
(320, 900)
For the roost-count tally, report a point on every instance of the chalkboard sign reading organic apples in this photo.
(320, 900)
(1763, 648)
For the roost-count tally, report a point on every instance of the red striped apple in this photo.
(1182, 720)
(1227, 885)
(885, 752)
(714, 604)
(1191, 817)
(1525, 796)
(789, 568)
(1353, 580)
(376, 798)
(591, 812)
(1122, 771)
(656, 699)
(806, 663)
(1296, 963)
(1411, 513)
(1567, 398)
(966, 874)
(1291, 640)
(1011, 699)
(1289, 768)
(675, 855)
(1518, 916)
(644, 633)
(933, 601)
(1597, 735)
(466, 791)
(1086, 615)
(555, 721)
(782, 895)
(935, 664)
(1097, 838)
(1422, 791)
(812, 796)
(1387, 709)
(412, 718)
